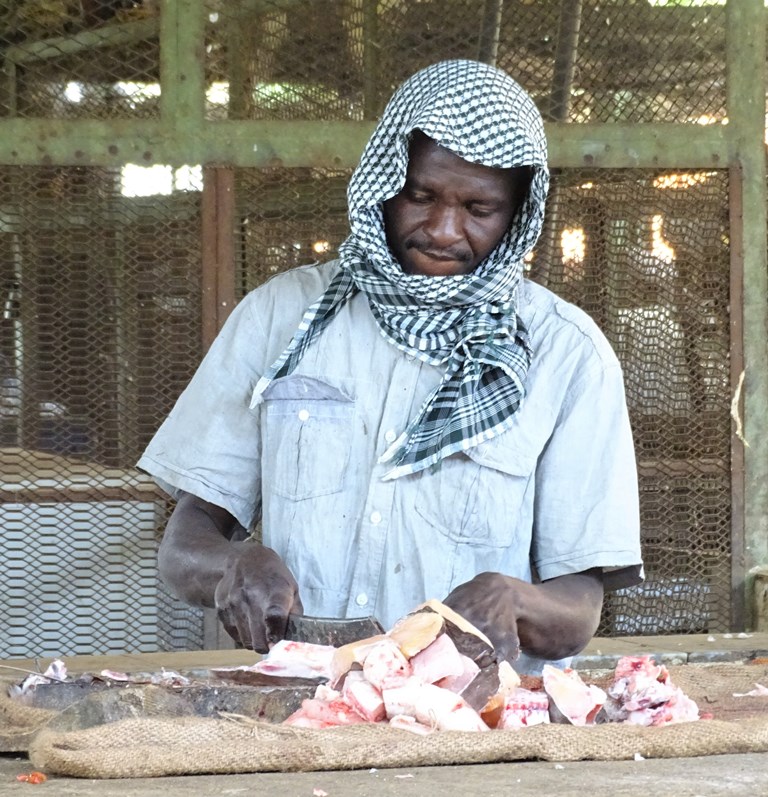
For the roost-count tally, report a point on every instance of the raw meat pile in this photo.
(434, 671)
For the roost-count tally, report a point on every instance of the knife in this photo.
(334, 631)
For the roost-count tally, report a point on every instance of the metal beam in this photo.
(334, 144)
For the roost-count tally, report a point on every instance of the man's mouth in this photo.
(442, 256)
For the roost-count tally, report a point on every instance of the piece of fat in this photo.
(416, 631)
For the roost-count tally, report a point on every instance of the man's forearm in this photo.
(195, 550)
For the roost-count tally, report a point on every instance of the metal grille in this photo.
(76, 59)
(646, 254)
(582, 60)
(286, 218)
(100, 333)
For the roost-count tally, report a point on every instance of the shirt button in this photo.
(375, 518)
(410, 358)
(303, 415)
(390, 435)
(361, 599)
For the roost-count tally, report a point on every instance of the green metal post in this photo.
(746, 131)
(182, 65)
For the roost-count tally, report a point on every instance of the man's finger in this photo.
(275, 623)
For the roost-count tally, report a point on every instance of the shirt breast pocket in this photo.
(306, 441)
(478, 499)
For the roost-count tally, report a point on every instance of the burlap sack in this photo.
(18, 722)
(192, 745)
(155, 745)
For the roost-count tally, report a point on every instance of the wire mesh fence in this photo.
(100, 271)
(581, 60)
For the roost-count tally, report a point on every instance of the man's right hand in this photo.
(255, 596)
(247, 583)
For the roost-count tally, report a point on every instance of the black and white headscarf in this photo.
(466, 324)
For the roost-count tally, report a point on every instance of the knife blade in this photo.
(334, 631)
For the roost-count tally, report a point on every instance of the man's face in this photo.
(450, 213)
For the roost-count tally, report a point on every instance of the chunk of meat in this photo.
(406, 723)
(574, 701)
(435, 707)
(439, 660)
(385, 665)
(326, 709)
(453, 617)
(506, 683)
(288, 659)
(364, 697)
(524, 708)
(321, 713)
(642, 693)
(347, 656)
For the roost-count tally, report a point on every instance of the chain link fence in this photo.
(100, 270)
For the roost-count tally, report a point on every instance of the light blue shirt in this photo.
(555, 494)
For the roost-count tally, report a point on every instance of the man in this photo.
(414, 420)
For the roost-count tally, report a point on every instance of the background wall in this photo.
(158, 160)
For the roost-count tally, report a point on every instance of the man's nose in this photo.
(443, 226)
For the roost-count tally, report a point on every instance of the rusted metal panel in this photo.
(218, 259)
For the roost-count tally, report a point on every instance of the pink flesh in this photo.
(385, 665)
(364, 698)
(524, 708)
(409, 724)
(432, 706)
(289, 659)
(458, 683)
(439, 660)
(642, 694)
(334, 712)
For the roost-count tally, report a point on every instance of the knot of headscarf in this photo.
(468, 324)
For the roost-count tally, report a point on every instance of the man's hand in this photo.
(551, 620)
(255, 596)
(248, 584)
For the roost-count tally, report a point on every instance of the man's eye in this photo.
(418, 197)
(481, 211)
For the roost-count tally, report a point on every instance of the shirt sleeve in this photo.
(587, 503)
(210, 443)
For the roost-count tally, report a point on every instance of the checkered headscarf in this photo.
(466, 324)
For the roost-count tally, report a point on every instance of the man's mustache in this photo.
(459, 255)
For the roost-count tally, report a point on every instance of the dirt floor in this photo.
(733, 775)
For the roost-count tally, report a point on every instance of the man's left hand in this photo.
(551, 620)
